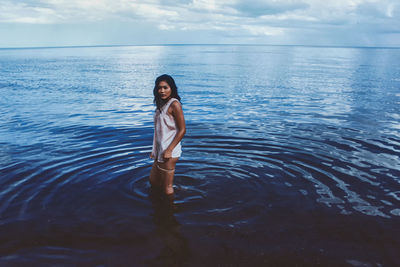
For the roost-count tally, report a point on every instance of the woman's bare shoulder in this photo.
(175, 107)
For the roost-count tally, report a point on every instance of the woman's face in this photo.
(164, 91)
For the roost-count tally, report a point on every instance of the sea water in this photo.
(291, 156)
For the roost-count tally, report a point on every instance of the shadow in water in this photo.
(175, 248)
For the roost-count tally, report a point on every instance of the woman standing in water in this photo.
(169, 129)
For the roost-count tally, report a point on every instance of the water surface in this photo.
(291, 156)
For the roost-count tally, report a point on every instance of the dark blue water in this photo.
(291, 157)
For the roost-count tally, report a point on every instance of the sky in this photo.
(37, 23)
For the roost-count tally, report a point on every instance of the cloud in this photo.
(262, 30)
(25, 13)
(269, 20)
(166, 27)
(381, 9)
(256, 8)
(152, 12)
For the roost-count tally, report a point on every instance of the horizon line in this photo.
(199, 44)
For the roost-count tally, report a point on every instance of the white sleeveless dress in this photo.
(165, 130)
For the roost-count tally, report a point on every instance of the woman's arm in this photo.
(176, 111)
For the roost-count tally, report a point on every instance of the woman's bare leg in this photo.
(155, 176)
(167, 171)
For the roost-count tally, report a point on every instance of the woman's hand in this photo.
(167, 154)
(151, 155)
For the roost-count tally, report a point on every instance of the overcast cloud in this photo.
(102, 22)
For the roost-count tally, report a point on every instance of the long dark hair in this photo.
(168, 79)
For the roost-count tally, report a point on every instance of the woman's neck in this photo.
(166, 100)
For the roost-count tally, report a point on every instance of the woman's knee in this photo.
(169, 189)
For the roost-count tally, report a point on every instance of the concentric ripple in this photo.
(322, 170)
(74, 170)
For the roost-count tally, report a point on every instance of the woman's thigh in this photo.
(155, 176)
(168, 164)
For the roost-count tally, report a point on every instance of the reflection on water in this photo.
(175, 251)
(291, 157)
